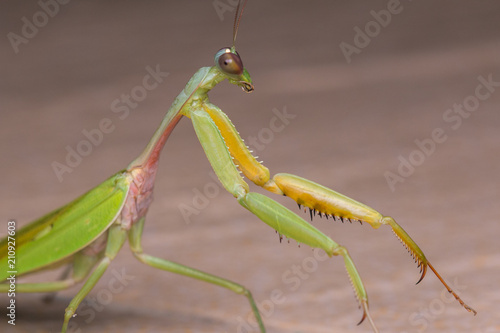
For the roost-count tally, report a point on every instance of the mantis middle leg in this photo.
(170, 266)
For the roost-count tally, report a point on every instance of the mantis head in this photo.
(228, 61)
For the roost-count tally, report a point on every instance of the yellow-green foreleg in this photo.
(284, 221)
(242, 157)
(319, 199)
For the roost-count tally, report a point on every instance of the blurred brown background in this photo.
(353, 123)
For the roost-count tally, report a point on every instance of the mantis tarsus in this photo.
(88, 232)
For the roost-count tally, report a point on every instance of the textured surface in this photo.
(352, 123)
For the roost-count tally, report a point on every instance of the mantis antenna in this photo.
(237, 19)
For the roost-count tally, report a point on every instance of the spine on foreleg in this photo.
(324, 200)
(242, 156)
(409, 244)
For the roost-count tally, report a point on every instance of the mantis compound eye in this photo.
(229, 62)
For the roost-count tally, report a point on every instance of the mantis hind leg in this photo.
(116, 238)
(166, 265)
(79, 265)
(49, 297)
(82, 265)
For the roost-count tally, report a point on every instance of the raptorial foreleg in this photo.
(280, 218)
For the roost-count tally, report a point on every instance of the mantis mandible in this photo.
(88, 232)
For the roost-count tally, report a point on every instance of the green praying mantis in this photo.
(87, 233)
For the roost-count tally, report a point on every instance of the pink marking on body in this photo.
(140, 193)
(152, 161)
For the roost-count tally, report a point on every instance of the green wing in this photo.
(68, 229)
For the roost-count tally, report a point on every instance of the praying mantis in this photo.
(88, 232)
